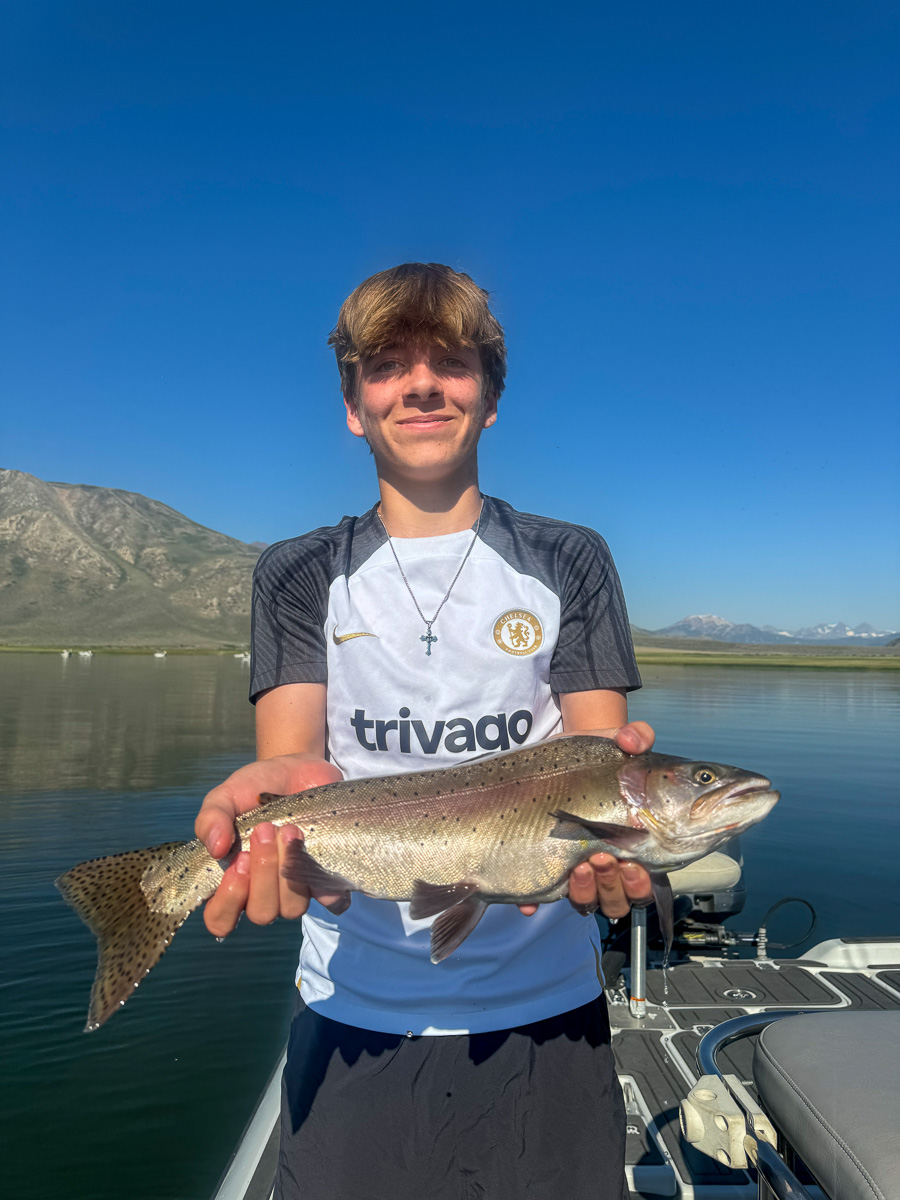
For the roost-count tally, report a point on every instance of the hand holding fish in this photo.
(253, 881)
(603, 881)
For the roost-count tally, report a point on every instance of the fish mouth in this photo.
(753, 797)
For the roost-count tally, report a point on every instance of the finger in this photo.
(214, 825)
(610, 887)
(582, 889)
(293, 904)
(224, 907)
(528, 910)
(636, 883)
(262, 905)
(635, 738)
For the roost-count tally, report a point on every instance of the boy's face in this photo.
(421, 408)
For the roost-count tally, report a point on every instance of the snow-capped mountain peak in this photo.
(709, 625)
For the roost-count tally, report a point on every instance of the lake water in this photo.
(115, 752)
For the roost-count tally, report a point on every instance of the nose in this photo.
(422, 382)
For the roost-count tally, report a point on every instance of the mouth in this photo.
(751, 800)
(425, 422)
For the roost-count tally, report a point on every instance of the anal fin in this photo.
(452, 927)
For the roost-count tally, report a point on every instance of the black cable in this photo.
(776, 906)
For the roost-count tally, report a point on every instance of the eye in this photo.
(705, 775)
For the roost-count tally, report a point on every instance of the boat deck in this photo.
(655, 1057)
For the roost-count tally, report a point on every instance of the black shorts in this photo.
(532, 1113)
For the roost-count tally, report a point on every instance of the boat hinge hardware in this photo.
(712, 1119)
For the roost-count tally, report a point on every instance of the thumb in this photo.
(214, 825)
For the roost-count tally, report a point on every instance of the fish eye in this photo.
(704, 775)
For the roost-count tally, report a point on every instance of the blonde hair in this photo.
(419, 302)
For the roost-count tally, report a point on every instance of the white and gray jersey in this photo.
(537, 611)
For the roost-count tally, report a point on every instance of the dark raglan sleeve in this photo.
(594, 649)
(290, 603)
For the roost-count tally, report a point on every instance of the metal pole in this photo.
(637, 1003)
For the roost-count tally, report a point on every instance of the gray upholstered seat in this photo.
(831, 1083)
(714, 872)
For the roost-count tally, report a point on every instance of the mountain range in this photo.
(94, 566)
(710, 626)
(91, 566)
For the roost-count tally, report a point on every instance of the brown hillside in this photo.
(92, 566)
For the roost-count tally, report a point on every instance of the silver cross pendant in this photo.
(429, 638)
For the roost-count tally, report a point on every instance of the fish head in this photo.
(687, 807)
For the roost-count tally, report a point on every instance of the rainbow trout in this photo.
(507, 829)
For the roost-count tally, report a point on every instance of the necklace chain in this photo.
(429, 637)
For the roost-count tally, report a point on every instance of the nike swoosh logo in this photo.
(346, 637)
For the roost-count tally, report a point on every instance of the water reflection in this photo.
(116, 722)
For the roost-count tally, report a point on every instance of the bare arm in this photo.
(603, 881)
(290, 741)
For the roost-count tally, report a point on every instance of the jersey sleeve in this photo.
(290, 600)
(594, 649)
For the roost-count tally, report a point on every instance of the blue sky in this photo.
(687, 216)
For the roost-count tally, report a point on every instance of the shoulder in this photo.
(322, 552)
(307, 547)
(545, 539)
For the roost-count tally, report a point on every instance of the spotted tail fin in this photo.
(135, 903)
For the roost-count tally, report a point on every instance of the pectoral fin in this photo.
(428, 899)
(624, 837)
(452, 927)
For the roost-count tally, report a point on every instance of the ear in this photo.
(490, 408)
(354, 424)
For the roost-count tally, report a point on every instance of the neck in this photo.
(410, 508)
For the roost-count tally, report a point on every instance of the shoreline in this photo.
(832, 659)
(147, 651)
(653, 656)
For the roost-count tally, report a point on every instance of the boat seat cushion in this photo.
(714, 872)
(831, 1083)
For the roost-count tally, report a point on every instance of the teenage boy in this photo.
(439, 625)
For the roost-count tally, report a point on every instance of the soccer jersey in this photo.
(537, 611)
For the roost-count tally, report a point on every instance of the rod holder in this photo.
(637, 1001)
